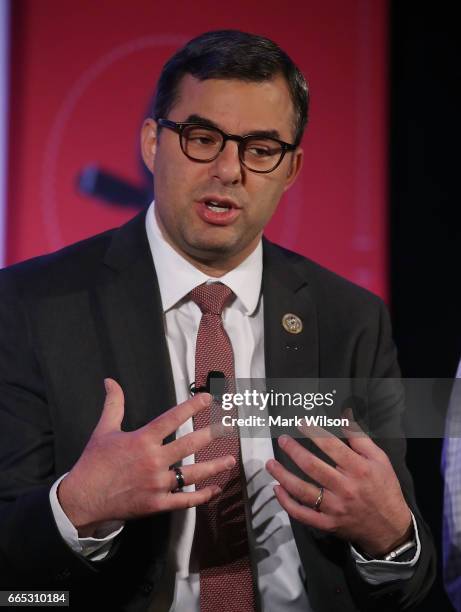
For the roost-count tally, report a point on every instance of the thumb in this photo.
(114, 407)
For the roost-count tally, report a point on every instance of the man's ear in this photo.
(294, 168)
(149, 142)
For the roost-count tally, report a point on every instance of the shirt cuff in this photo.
(378, 571)
(93, 549)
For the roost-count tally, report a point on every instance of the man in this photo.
(89, 499)
(451, 470)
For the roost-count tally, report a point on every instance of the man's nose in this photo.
(227, 166)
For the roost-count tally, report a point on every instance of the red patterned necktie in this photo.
(221, 537)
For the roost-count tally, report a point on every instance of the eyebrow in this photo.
(209, 123)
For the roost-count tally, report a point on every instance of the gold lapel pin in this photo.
(292, 323)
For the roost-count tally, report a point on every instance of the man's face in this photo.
(185, 188)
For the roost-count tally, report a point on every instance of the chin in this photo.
(212, 248)
(209, 250)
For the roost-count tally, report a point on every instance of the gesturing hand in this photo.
(123, 475)
(362, 500)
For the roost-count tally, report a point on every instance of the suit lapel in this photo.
(288, 355)
(285, 291)
(128, 305)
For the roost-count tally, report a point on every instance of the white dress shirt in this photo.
(280, 574)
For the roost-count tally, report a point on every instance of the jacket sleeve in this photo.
(27, 470)
(386, 405)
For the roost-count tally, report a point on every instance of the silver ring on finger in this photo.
(318, 501)
(179, 480)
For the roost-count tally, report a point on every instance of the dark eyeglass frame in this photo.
(179, 127)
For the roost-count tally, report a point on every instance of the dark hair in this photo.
(231, 54)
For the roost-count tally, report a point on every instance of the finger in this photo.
(305, 515)
(317, 469)
(358, 440)
(172, 419)
(192, 442)
(197, 472)
(344, 457)
(353, 428)
(305, 492)
(179, 501)
(114, 407)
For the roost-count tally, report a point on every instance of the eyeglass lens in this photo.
(204, 144)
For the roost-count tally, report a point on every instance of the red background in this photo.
(83, 75)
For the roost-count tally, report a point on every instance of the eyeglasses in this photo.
(203, 144)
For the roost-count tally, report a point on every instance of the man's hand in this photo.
(362, 500)
(123, 475)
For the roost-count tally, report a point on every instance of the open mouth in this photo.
(217, 211)
(218, 207)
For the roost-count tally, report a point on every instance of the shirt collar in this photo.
(244, 280)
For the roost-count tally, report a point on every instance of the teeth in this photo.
(216, 207)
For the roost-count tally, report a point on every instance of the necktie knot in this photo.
(211, 297)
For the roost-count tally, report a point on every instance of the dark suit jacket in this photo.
(93, 310)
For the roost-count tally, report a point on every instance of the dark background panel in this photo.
(425, 220)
